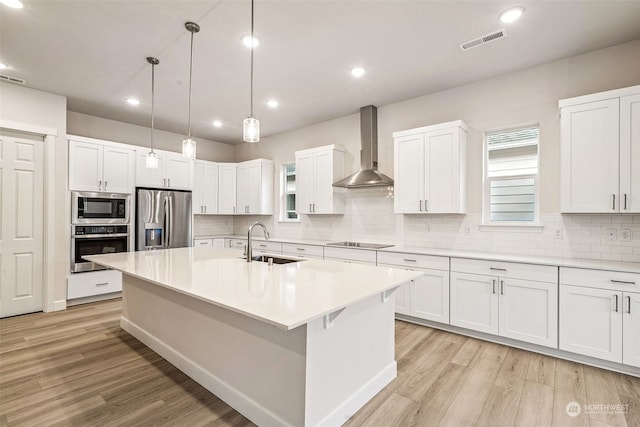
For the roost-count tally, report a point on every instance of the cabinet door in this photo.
(589, 322)
(590, 157)
(529, 311)
(403, 298)
(196, 196)
(254, 192)
(242, 189)
(146, 177)
(409, 174)
(209, 188)
(118, 170)
(227, 189)
(474, 302)
(304, 183)
(630, 154)
(85, 166)
(631, 329)
(323, 182)
(430, 296)
(179, 172)
(442, 172)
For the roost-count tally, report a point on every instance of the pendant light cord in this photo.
(190, 79)
(153, 94)
(252, 48)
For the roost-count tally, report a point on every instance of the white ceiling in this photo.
(93, 52)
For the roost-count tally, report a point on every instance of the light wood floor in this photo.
(77, 368)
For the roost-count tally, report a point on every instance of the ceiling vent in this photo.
(10, 79)
(482, 40)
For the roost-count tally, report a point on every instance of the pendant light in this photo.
(251, 125)
(189, 144)
(151, 161)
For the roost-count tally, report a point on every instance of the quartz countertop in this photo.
(629, 267)
(284, 295)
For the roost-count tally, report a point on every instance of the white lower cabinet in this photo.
(500, 304)
(218, 242)
(199, 243)
(80, 285)
(361, 256)
(600, 314)
(303, 251)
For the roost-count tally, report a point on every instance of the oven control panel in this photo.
(82, 230)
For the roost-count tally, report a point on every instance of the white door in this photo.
(631, 329)
(209, 188)
(118, 170)
(430, 296)
(146, 177)
(442, 172)
(591, 322)
(179, 172)
(242, 188)
(590, 151)
(304, 183)
(85, 166)
(529, 311)
(227, 189)
(474, 302)
(630, 154)
(409, 174)
(22, 214)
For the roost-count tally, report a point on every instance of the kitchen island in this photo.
(300, 344)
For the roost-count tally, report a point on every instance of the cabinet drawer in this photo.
(414, 260)
(603, 279)
(202, 242)
(358, 255)
(513, 270)
(237, 243)
(267, 246)
(302, 250)
(92, 283)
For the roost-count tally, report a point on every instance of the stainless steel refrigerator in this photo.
(163, 219)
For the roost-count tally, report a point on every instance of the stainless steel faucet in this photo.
(249, 246)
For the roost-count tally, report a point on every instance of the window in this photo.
(288, 184)
(511, 177)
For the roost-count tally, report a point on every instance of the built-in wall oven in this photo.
(95, 240)
(99, 208)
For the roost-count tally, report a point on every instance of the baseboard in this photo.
(363, 395)
(234, 398)
(57, 305)
(93, 298)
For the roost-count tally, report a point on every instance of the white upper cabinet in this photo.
(254, 187)
(227, 188)
(316, 171)
(205, 188)
(430, 169)
(174, 171)
(600, 152)
(100, 166)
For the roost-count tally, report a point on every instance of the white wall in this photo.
(523, 97)
(34, 107)
(111, 130)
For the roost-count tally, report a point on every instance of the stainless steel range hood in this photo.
(368, 176)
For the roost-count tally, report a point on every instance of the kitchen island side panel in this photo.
(254, 367)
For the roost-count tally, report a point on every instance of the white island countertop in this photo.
(284, 295)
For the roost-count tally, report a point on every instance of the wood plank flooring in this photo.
(77, 368)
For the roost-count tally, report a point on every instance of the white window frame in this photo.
(284, 193)
(487, 224)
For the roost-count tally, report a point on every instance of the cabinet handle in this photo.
(420, 205)
(202, 243)
(623, 282)
(99, 185)
(497, 269)
(493, 282)
(501, 287)
(426, 206)
(169, 179)
(205, 209)
(300, 249)
(625, 201)
(629, 305)
(409, 260)
(616, 297)
(263, 246)
(102, 284)
(314, 208)
(310, 208)
(105, 185)
(614, 202)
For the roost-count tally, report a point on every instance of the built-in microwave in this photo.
(99, 208)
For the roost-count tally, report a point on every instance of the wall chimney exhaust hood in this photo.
(368, 176)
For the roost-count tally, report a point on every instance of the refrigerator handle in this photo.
(170, 216)
(165, 223)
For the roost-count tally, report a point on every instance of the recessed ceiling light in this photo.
(14, 4)
(511, 14)
(3, 66)
(217, 123)
(250, 41)
(133, 101)
(273, 103)
(357, 72)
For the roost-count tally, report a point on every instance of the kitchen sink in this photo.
(360, 245)
(276, 260)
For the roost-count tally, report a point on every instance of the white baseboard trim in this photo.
(364, 394)
(57, 305)
(93, 298)
(233, 397)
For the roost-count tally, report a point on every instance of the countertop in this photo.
(629, 267)
(285, 295)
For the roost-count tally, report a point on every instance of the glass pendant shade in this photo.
(151, 161)
(251, 130)
(189, 148)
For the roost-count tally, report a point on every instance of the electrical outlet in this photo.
(625, 234)
(612, 233)
(558, 233)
